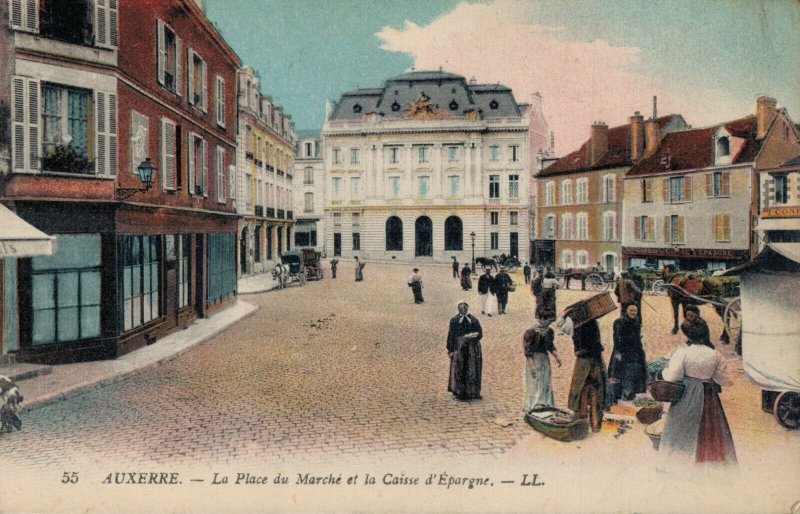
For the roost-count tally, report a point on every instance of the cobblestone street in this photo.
(344, 369)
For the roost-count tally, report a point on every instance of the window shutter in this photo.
(220, 175)
(665, 191)
(680, 230)
(178, 73)
(24, 15)
(16, 14)
(190, 161)
(709, 185)
(168, 154)
(635, 229)
(715, 226)
(648, 228)
(667, 235)
(105, 105)
(189, 70)
(687, 188)
(205, 168)
(220, 100)
(106, 23)
(231, 181)
(726, 184)
(161, 50)
(204, 99)
(726, 220)
(26, 141)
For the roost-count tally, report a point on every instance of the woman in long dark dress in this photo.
(466, 278)
(628, 364)
(696, 430)
(537, 343)
(466, 358)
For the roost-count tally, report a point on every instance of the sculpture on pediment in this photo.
(423, 109)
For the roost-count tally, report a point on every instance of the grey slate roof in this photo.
(448, 91)
(308, 134)
(792, 162)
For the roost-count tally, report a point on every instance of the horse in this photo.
(486, 262)
(706, 287)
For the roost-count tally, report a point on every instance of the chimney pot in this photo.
(637, 138)
(652, 137)
(766, 110)
(598, 143)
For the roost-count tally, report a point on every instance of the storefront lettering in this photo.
(686, 252)
(7, 249)
(781, 212)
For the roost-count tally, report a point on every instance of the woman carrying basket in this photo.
(537, 343)
(696, 430)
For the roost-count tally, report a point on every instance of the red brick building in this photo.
(97, 87)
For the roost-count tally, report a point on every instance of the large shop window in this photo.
(140, 280)
(184, 248)
(221, 260)
(66, 291)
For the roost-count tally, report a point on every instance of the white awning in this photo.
(18, 238)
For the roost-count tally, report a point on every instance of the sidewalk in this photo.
(259, 283)
(59, 382)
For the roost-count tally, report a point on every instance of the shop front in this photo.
(683, 258)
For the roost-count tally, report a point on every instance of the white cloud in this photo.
(580, 81)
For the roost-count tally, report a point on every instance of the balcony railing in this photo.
(281, 214)
(259, 210)
(270, 212)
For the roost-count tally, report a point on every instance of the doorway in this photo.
(423, 237)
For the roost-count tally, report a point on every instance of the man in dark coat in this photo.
(466, 359)
(486, 289)
(536, 288)
(587, 392)
(466, 278)
(627, 365)
(455, 268)
(334, 262)
(629, 294)
(526, 272)
(501, 283)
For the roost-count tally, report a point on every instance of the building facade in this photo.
(779, 212)
(132, 262)
(692, 200)
(417, 166)
(579, 209)
(309, 195)
(265, 180)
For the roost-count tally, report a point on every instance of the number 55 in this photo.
(69, 477)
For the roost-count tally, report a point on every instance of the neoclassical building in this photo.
(415, 167)
(309, 191)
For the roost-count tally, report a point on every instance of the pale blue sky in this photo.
(715, 56)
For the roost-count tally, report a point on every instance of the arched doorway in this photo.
(394, 234)
(423, 237)
(243, 252)
(453, 234)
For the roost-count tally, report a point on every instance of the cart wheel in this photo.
(596, 282)
(787, 410)
(658, 287)
(733, 319)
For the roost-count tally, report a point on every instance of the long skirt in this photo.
(466, 282)
(587, 392)
(631, 371)
(465, 369)
(696, 429)
(536, 380)
(548, 299)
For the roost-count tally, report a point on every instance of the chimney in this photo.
(766, 109)
(637, 136)
(655, 107)
(652, 136)
(598, 144)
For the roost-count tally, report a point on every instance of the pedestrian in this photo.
(415, 282)
(627, 365)
(691, 316)
(466, 278)
(536, 288)
(455, 268)
(359, 270)
(537, 343)
(548, 295)
(486, 290)
(334, 262)
(502, 285)
(526, 272)
(466, 360)
(628, 293)
(696, 429)
(587, 391)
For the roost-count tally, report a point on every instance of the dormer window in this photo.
(395, 107)
(357, 108)
(493, 105)
(723, 147)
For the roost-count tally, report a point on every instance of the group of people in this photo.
(359, 269)
(696, 428)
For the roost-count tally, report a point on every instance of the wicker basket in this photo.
(542, 419)
(648, 415)
(664, 391)
(592, 308)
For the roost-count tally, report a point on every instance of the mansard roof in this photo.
(447, 92)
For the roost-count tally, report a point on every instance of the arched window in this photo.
(453, 230)
(394, 234)
(723, 147)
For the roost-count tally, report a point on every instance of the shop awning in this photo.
(18, 238)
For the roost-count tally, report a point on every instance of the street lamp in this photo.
(145, 173)
(472, 236)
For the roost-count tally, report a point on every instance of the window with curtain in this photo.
(140, 280)
(513, 186)
(67, 133)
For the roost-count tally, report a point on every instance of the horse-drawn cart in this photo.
(290, 269)
(312, 264)
(771, 335)
(729, 307)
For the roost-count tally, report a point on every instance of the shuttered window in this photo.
(219, 165)
(106, 23)
(25, 134)
(24, 15)
(198, 80)
(231, 181)
(718, 184)
(721, 227)
(674, 229)
(198, 166)
(219, 95)
(106, 119)
(170, 58)
(169, 161)
(647, 190)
